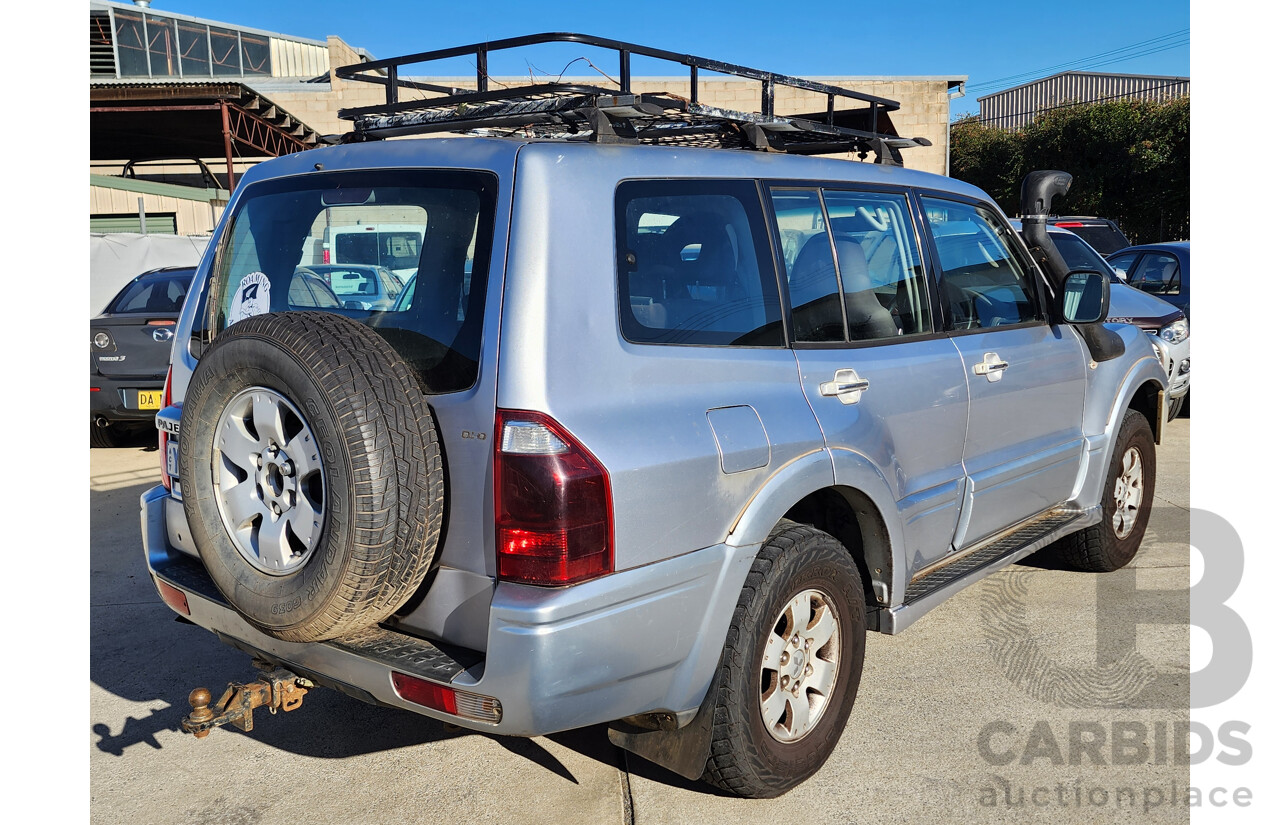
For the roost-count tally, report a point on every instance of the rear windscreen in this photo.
(1105, 239)
(277, 249)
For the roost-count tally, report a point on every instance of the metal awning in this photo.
(191, 119)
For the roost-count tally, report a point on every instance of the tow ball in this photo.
(278, 689)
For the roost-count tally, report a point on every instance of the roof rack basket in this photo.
(616, 114)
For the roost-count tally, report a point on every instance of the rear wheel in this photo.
(791, 665)
(311, 473)
(107, 436)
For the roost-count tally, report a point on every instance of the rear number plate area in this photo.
(148, 399)
(171, 458)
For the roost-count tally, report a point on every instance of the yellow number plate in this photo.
(149, 399)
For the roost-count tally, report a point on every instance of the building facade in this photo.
(214, 98)
(1018, 106)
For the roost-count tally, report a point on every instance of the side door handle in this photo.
(992, 366)
(846, 385)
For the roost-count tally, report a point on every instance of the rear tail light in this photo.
(325, 258)
(165, 400)
(1069, 224)
(553, 509)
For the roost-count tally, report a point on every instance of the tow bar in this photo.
(278, 689)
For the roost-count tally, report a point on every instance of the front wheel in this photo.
(791, 665)
(1126, 503)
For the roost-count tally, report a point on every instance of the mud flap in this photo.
(681, 750)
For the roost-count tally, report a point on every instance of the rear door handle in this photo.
(846, 385)
(992, 366)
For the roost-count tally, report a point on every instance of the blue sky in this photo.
(987, 41)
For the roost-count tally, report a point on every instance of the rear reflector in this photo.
(446, 699)
(173, 597)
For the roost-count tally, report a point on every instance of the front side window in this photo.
(983, 283)
(1157, 273)
(1121, 263)
(273, 258)
(694, 265)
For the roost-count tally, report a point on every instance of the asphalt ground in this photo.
(1036, 695)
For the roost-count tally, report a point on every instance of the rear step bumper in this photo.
(641, 640)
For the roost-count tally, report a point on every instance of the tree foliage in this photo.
(1130, 161)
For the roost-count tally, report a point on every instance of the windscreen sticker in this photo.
(253, 297)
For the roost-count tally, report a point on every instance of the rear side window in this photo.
(853, 265)
(276, 256)
(694, 265)
(983, 283)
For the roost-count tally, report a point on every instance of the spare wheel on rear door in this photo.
(311, 474)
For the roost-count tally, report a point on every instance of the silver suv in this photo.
(659, 435)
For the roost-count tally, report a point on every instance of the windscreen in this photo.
(275, 252)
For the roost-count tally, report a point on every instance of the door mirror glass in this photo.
(1086, 297)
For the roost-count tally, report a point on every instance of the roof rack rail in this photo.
(591, 112)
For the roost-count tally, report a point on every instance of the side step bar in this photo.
(937, 583)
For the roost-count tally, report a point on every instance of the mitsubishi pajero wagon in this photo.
(673, 416)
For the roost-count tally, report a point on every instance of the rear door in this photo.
(885, 387)
(1026, 377)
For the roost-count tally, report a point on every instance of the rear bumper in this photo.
(110, 398)
(640, 640)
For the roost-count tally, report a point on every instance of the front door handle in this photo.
(846, 385)
(992, 366)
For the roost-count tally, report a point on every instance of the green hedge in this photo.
(1130, 161)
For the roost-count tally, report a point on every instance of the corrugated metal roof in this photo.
(1018, 106)
(1084, 74)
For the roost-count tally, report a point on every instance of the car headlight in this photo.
(1176, 332)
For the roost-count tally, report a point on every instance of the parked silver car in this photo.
(697, 420)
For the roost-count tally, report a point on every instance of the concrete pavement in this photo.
(997, 696)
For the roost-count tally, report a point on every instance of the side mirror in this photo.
(1086, 297)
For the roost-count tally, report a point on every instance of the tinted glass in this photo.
(131, 44)
(163, 47)
(1101, 237)
(817, 314)
(278, 233)
(983, 283)
(1077, 253)
(694, 265)
(160, 295)
(878, 254)
(1121, 263)
(193, 42)
(226, 51)
(1157, 273)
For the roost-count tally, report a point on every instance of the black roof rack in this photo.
(586, 111)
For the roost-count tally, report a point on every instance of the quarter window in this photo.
(983, 283)
(694, 265)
